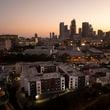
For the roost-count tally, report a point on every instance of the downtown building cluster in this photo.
(86, 31)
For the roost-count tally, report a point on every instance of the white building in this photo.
(40, 78)
(73, 77)
(104, 79)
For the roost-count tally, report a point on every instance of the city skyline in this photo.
(37, 16)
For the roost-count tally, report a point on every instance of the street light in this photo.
(37, 96)
(83, 44)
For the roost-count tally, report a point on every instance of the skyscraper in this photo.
(73, 28)
(80, 31)
(35, 35)
(100, 33)
(85, 29)
(64, 32)
(62, 28)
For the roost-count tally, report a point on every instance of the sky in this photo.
(26, 17)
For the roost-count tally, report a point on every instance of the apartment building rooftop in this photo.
(69, 70)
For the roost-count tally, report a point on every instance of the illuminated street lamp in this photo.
(37, 96)
(83, 44)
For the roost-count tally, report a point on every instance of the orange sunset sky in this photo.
(26, 17)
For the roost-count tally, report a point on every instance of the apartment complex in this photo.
(43, 78)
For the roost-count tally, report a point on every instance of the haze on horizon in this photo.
(26, 17)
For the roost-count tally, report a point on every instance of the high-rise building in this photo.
(86, 28)
(100, 33)
(64, 32)
(80, 31)
(35, 35)
(91, 31)
(50, 35)
(62, 28)
(53, 36)
(73, 28)
(107, 34)
(36, 38)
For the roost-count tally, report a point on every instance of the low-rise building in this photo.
(105, 79)
(41, 79)
(73, 78)
(40, 50)
(5, 44)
